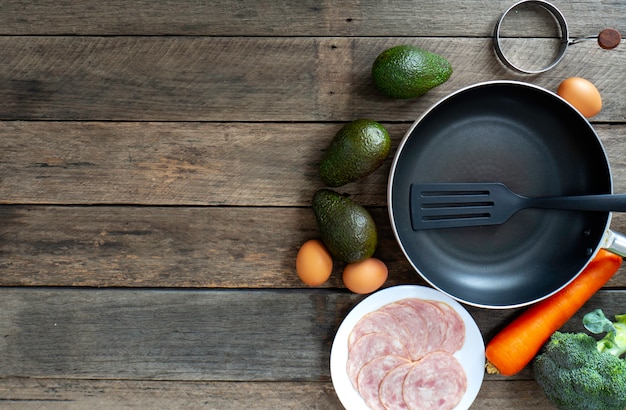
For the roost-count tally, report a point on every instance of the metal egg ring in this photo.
(559, 17)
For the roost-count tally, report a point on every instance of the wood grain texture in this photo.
(72, 394)
(193, 164)
(251, 78)
(69, 394)
(473, 18)
(166, 247)
(269, 164)
(176, 247)
(218, 335)
(169, 335)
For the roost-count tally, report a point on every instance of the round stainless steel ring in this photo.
(560, 18)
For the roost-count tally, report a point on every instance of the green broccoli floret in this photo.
(615, 340)
(577, 372)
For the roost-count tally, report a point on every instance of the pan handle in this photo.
(615, 242)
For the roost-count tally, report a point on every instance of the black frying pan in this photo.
(536, 143)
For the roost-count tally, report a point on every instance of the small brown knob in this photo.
(609, 38)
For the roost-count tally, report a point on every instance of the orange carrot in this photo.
(518, 343)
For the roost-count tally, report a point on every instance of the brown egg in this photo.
(365, 276)
(582, 94)
(314, 263)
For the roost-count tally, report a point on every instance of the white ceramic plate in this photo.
(471, 356)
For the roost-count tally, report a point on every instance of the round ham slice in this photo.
(416, 325)
(379, 322)
(372, 374)
(368, 348)
(434, 323)
(390, 392)
(437, 382)
(455, 335)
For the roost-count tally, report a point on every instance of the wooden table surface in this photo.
(157, 164)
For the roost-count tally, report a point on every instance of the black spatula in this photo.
(451, 205)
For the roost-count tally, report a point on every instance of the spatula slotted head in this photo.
(450, 205)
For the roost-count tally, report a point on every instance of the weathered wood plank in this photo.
(511, 395)
(251, 79)
(70, 394)
(285, 18)
(242, 164)
(168, 335)
(165, 247)
(175, 247)
(202, 335)
(170, 163)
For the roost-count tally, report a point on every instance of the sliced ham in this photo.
(401, 356)
(372, 374)
(416, 325)
(379, 322)
(434, 323)
(455, 335)
(390, 391)
(368, 348)
(437, 382)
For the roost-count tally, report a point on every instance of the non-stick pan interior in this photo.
(534, 142)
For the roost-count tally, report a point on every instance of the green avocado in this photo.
(407, 71)
(346, 228)
(357, 150)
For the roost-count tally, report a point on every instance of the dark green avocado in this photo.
(357, 150)
(407, 71)
(346, 228)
